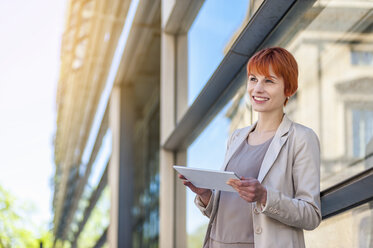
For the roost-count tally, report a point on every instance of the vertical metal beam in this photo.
(167, 124)
(179, 15)
(180, 206)
(181, 75)
(122, 118)
(174, 100)
(181, 102)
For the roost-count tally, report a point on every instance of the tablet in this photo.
(207, 179)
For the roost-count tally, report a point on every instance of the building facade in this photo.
(146, 84)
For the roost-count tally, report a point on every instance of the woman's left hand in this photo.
(249, 189)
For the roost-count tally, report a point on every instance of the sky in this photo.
(210, 32)
(31, 33)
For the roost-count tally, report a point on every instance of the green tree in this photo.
(97, 222)
(195, 239)
(16, 228)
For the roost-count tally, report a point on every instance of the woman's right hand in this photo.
(204, 194)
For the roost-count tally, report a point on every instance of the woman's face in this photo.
(266, 93)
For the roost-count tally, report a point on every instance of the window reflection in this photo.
(207, 151)
(145, 209)
(214, 30)
(362, 130)
(353, 228)
(332, 42)
(335, 96)
(361, 57)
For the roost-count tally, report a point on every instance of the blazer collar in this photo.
(274, 148)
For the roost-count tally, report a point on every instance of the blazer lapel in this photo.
(236, 142)
(274, 148)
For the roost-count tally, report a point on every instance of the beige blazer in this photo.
(291, 174)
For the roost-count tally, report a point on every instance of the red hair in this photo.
(283, 64)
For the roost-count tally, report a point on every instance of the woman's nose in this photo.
(259, 86)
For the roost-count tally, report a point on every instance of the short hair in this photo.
(283, 64)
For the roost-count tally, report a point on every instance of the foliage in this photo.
(195, 239)
(16, 227)
(97, 222)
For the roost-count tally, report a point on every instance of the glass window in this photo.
(202, 154)
(353, 228)
(101, 208)
(362, 126)
(361, 57)
(98, 221)
(214, 30)
(335, 99)
(145, 210)
(335, 95)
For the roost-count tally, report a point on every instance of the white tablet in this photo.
(207, 179)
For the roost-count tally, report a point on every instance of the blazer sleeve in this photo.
(303, 210)
(207, 210)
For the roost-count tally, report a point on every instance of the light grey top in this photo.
(233, 225)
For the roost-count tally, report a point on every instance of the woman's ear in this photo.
(288, 97)
(286, 101)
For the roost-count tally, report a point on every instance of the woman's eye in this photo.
(253, 79)
(269, 81)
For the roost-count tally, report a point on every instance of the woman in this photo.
(278, 194)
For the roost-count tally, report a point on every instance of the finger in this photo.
(249, 182)
(185, 180)
(234, 187)
(181, 176)
(248, 199)
(244, 183)
(244, 190)
(248, 189)
(247, 196)
(233, 182)
(190, 185)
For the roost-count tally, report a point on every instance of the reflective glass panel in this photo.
(212, 33)
(208, 151)
(145, 210)
(353, 228)
(332, 43)
(99, 217)
(98, 221)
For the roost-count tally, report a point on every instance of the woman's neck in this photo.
(268, 121)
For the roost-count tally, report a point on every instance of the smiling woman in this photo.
(274, 66)
(278, 194)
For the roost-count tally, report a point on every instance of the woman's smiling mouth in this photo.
(259, 99)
